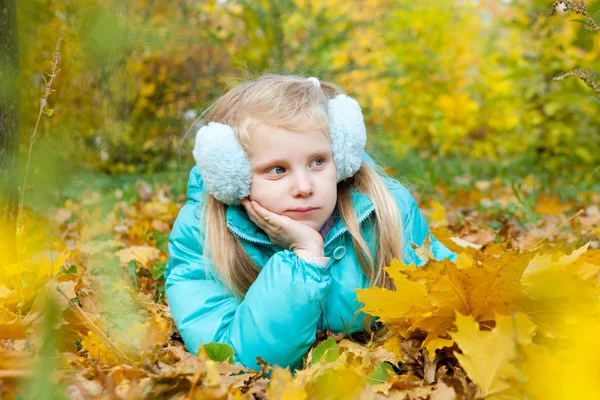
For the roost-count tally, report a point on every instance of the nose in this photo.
(303, 185)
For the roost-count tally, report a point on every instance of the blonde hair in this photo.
(293, 102)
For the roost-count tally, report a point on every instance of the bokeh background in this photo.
(447, 88)
(461, 105)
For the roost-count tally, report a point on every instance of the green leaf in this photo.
(131, 270)
(328, 347)
(71, 270)
(49, 111)
(160, 293)
(581, 21)
(162, 241)
(158, 271)
(219, 351)
(75, 300)
(597, 100)
(380, 374)
(513, 185)
(495, 225)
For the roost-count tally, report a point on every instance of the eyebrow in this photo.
(280, 161)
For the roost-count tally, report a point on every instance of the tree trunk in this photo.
(9, 129)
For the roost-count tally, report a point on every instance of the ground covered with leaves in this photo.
(83, 313)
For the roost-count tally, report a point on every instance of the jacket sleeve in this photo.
(415, 227)
(277, 319)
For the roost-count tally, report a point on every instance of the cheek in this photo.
(329, 187)
(263, 192)
(256, 189)
(333, 173)
(332, 179)
(333, 196)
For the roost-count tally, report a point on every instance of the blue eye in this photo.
(320, 159)
(319, 162)
(276, 169)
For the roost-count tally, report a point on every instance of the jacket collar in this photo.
(241, 225)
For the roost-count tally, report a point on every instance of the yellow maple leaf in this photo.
(11, 325)
(158, 330)
(566, 371)
(394, 306)
(132, 339)
(562, 291)
(424, 251)
(40, 259)
(438, 215)
(283, 386)
(437, 343)
(336, 383)
(141, 254)
(487, 356)
(551, 205)
(97, 350)
(426, 298)
(393, 346)
(580, 264)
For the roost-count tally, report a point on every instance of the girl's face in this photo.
(293, 170)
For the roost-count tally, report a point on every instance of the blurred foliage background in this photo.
(459, 99)
(468, 80)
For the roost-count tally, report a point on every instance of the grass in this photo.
(420, 174)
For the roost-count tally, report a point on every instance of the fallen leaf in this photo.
(141, 254)
(487, 356)
(283, 387)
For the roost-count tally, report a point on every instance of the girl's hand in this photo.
(286, 232)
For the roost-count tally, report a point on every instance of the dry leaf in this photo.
(141, 254)
(487, 356)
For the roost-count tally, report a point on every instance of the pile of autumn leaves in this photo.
(501, 322)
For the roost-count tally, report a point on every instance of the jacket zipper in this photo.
(344, 229)
(341, 231)
(248, 238)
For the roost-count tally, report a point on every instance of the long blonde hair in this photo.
(293, 102)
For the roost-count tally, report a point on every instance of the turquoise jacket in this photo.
(291, 298)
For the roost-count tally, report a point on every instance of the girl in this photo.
(286, 216)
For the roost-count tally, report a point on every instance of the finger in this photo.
(246, 204)
(247, 207)
(251, 213)
(255, 217)
(262, 212)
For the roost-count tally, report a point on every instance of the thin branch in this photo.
(43, 103)
(538, 244)
(578, 8)
(586, 75)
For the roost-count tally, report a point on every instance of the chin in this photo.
(312, 224)
(315, 225)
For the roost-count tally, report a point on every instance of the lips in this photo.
(303, 211)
